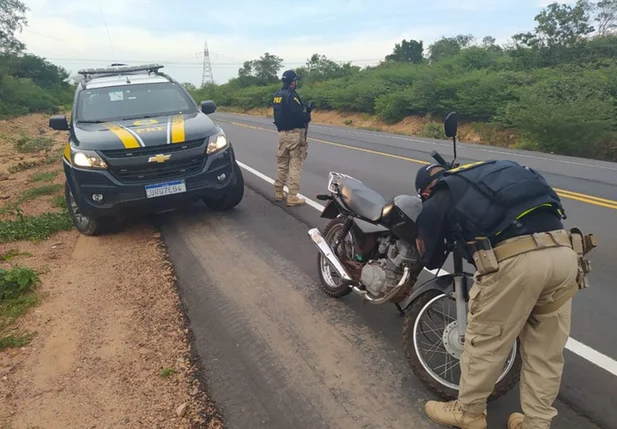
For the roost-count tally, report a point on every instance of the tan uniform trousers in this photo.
(290, 158)
(501, 308)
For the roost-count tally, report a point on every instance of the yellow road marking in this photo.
(128, 140)
(589, 199)
(177, 129)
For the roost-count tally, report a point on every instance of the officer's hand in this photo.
(420, 246)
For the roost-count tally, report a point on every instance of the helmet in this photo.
(424, 177)
(289, 76)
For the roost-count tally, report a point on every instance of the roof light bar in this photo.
(118, 70)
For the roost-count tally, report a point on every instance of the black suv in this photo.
(138, 141)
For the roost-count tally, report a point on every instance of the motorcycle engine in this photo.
(381, 275)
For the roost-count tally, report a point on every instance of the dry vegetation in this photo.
(410, 126)
(91, 329)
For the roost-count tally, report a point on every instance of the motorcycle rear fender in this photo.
(331, 211)
(444, 284)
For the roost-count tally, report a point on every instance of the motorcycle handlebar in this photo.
(439, 159)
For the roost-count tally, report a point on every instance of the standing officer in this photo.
(522, 286)
(291, 121)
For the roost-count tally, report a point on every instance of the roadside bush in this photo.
(433, 130)
(565, 114)
(16, 282)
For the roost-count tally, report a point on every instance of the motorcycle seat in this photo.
(361, 199)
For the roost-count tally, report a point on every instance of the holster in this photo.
(582, 244)
(484, 257)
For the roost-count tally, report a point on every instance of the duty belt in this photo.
(526, 243)
(488, 259)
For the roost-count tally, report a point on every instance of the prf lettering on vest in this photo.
(277, 100)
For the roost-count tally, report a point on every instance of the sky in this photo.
(95, 33)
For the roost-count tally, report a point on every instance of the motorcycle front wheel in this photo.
(433, 352)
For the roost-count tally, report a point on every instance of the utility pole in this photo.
(206, 76)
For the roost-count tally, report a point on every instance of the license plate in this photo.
(162, 189)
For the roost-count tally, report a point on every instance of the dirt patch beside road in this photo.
(97, 339)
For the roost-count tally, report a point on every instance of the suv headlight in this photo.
(87, 159)
(216, 143)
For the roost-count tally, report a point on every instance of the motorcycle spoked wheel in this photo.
(427, 373)
(326, 272)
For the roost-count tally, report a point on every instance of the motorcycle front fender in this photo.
(444, 284)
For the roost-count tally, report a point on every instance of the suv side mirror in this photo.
(208, 107)
(58, 123)
(451, 124)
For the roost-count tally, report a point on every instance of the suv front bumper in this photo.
(218, 176)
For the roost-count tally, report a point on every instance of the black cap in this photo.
(289, 76)
(424, 178)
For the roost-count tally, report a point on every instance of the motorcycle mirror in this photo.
(451, 124)
(451, 127)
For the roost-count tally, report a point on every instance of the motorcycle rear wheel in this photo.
(447, 390)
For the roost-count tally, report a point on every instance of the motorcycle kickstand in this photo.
(400, 310)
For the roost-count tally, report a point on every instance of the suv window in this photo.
(133, 102)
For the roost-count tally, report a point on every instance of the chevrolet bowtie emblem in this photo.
(159, 158)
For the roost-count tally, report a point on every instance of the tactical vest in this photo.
(489, 196)
(279, 105)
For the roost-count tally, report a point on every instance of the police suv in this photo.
(138, 141)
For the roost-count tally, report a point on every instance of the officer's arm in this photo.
(432, 229)
(296, 109)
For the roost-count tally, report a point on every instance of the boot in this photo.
(451, 414)
(294, 200)
(279, 195)
(515, 421)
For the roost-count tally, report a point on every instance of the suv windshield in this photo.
(133, 102)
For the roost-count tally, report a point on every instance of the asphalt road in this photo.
(279, 353)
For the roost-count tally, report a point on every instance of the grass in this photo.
(34, 227)
(12, 254)
(23, 166)
(58, 201)
(166, 372)
(44, 176)
(17, 296)
(32, 194)
(15, 341)
(28, 144)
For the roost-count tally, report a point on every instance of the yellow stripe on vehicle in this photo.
(177, 129)
(128, 140)
(67, 152)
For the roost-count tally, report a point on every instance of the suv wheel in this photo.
(231, 199)
(84, 224)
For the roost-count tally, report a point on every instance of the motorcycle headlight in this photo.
(87, 159)
(216, 143)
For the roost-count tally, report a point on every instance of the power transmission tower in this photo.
(206, 76)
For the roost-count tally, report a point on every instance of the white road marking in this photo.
(576, 347)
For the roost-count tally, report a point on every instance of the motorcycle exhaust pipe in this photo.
(327, 252)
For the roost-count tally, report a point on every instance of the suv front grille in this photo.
(152, 150)
(167, 170)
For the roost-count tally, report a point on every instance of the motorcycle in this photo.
(369, 248)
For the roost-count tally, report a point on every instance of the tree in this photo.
(449, 46)
(410, 51)
(189, 86)
(12, 20)
(262, 71)
(559, 26)
(606, 16)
